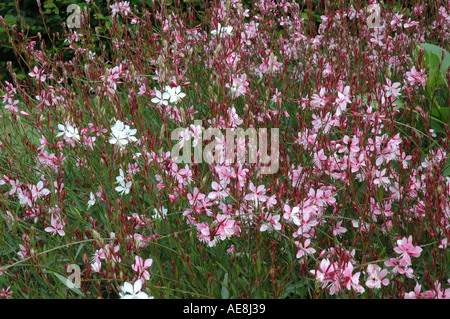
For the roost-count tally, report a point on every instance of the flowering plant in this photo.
(357, 207)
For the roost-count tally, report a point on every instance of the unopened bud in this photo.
(85, 259)
(138, 243)
(97, 236)
(217, 50)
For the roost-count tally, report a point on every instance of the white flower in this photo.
(124, 186)
(161, 98)
(91, 201)
(69, 131)
(175, 94)
(295, 215)
(159, 213)
(130, 291)
(91, 54)
(121, 134)
(432, 132)
(222, 31)
(121, 178)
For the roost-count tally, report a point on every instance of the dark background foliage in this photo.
(46, 24)
(28, 18)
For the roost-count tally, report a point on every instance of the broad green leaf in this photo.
(434, 76)
(442, 113)
(438, 117)
(431, 50)
(225, 292)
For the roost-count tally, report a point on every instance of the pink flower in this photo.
(271, 201)
(239, 86)
(380, 178)
(407, 249)
(23, 252)
(14, 186)
(273, 222)
(338, 230)
(357, 163)
(351, 281)
(441, 293)
(227, 227)
(413, 76)
(301, 215)
(318, 100)
(205, 235)
(195, 197)
(376, 276)
(415, 294)
(24, 197)
(122, 7)
(140, 267)
(258, 194)
(410, 23)
(319, 157)
(38, 74)
(5, 293)
(96, 265)
(325, 271)
(219, 192)
(342, 100)
(56, 227)
(12, 105)
(392, 89)
(39, 190)
(303, 248)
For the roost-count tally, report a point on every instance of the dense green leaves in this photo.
(437, 62)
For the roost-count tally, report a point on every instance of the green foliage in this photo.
(31, 23)
(437, 63)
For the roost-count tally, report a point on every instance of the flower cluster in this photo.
(122, 134)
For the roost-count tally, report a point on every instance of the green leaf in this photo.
(398, 104)
(78, 250)
(294, 289)
(435, 55)
(434, 76)
(258, 265)
(64, 280)
(446, 171)
(442, 113)
(225, 292)
(436, 126)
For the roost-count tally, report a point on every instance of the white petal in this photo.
(128, 288)
(137, 286)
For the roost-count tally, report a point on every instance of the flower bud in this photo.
(97, 236)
